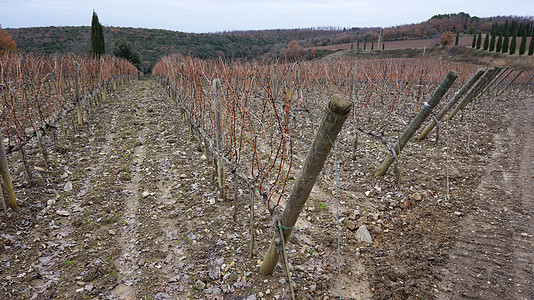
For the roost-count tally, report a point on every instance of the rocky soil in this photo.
(127, 209)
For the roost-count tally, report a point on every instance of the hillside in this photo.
(154, 43)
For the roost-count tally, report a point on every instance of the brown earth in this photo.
(144, 219)
(400, 44)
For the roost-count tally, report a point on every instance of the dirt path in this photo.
(128, 210)
(492, 258)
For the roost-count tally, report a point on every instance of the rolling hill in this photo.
(154, 43)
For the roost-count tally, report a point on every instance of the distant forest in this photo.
(284, 43)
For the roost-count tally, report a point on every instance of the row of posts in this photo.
(483, 81)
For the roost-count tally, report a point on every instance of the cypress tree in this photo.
(98, 47)
(513, 45)
(531, 45)
(494, 28)
(492, 43)
(358, 45)
(372, 45)
(474, 43)
(364, 45)
(505, 45)
(383, 45)
(486, 41)
(457, 39)
(479, 40)
(506, 28)
(523, 45)
(498, 48)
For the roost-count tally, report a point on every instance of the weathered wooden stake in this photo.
(25, 162)
(6, 178)
(54, 138)
(481, 83)
(526, 83)
(504, 76)
(355, 146)
(509, 84)
(236, 203)
(73, 119)
(251, 223)
(78, 96)
(418, 120)
(334, 116)
(499, 71)
(450, 104)
(63, 129)
(43, 147)
(4, 206)
(218, 128)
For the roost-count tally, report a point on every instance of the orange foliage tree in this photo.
(6, 43)
(446, 38)
(293, 51)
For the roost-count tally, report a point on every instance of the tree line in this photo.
(501, 42)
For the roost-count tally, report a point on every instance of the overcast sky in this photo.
(220, 15)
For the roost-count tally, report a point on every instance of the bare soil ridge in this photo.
(492, 258)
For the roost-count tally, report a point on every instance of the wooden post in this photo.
(335, 115)
(418, 120)
(6, 178)
(218, 129)
(236, 200)
(419, 93)
(355, 145)
(481, 83)
(40, 140)
(501, 80)
(503, 90)
(54, 138)
(78, 97)
(498, 73)
(526, 83)
(63, 128)
(25, 162)
(450, 104)
(4, 206)
(251, 251)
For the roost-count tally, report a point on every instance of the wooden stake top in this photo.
(339, 104)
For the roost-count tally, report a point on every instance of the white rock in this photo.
(63, 213)
(50, 202)
(145, 194)
(36, 168)
(200, 285)
(68, 186)
(203, 157)
(362, 235)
